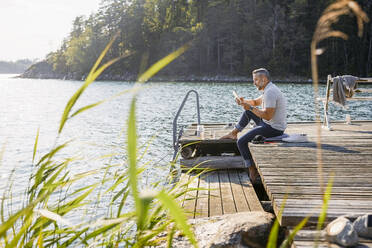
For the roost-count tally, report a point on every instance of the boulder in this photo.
(363, 226)
(342, 232)
(245, 229)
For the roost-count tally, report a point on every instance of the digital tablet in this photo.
(235, 95)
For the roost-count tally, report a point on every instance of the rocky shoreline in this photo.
(190, 78)
(43, 70)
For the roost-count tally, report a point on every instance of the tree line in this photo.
(18, 66)
(229, 37)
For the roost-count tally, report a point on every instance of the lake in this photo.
(29, 104)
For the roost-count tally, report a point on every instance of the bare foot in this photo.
(253, 173)
(230, 136)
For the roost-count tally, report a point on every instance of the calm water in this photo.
(29, 104)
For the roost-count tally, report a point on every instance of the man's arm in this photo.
(267, 113)
(253, 102)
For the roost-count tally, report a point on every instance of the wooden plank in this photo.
(190, 198)
(349, 174)
(306, 238)
(316, 190)
(330, 150)
(312, 156)
(314, 184)
(340, 164)
(183, 185)
(314, 169)
(202, 201)
(281, 195)
(249, 192)
(214, 162)
(238, 193)
(228, 205)
(215, 199)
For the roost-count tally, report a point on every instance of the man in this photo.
(270, 119)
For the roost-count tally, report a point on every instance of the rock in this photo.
(342, 232)
(363, 226)
(245, 229)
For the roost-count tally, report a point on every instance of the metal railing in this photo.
(175, 136)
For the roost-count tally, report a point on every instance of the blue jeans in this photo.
(262, 128)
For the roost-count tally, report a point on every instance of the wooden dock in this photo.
(290, 169)
(219, 192)
(287, 170)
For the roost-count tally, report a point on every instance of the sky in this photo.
(33, 28)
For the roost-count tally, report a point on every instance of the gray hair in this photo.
(262, 71)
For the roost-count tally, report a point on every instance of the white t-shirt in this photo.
(273, 98)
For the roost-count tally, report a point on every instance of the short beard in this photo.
(260, 85)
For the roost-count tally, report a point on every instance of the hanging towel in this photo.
(343, 86)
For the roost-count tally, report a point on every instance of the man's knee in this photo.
(241, 142)
(249, 114)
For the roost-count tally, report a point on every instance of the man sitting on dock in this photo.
(270, 119)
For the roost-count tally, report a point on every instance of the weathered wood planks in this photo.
(220, 192)
(291, 169)
(213, 162)
(306, 238)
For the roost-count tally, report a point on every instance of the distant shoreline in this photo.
(188, 79)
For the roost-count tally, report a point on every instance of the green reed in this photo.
(42, 222)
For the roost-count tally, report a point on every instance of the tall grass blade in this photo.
(40, 240)
(53, 216)
(132, 156)
(35, 145)
(273, 237)
(170, 237)
(75, 237)
(94, 73)
(149, 239)
(22, 232)
(162, 63)
(288, 241)
(25, 212)
(79, 111)
(102, 55)
(178, 215)
(74, 203)
(323, 213)
(53, 152)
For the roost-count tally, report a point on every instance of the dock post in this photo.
(326, 123)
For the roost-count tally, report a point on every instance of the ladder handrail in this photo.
(175, 138)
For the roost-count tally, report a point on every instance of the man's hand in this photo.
(246, 106)
(239, 101)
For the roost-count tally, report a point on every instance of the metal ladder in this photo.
(176, 135)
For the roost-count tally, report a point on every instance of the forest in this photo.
(229, 38)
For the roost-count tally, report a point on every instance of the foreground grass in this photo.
(53, 193)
